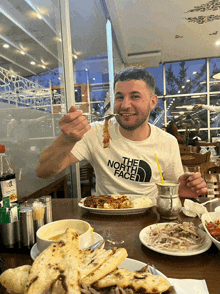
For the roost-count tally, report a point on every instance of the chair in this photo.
(210, 168)
(200, 144)
(193, 158)
(189, 148)
(87, 177)
(213, 184)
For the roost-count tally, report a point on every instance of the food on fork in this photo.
(106, 133)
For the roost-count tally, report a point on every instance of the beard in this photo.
(133, 126)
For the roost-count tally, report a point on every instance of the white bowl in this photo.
(57, 228)
(211, 217)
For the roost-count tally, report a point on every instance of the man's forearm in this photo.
(55, 158)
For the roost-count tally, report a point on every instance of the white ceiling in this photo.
(147, 32)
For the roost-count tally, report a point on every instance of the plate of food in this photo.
(62, 267)
(117, 204)
(175, 239)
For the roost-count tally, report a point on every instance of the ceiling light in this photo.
(39, 16)
(43, 66)
(32, 62)
(183, 87)
(75, 56)
(181, 112)
(6, 46)
(217, 76)
(22, 52)
(195, 72)
(187, 81)
(217, 43)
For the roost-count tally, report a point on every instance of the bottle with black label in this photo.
(8, 187)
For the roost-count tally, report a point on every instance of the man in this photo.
(129, 165)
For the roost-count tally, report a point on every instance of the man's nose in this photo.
(126, 103)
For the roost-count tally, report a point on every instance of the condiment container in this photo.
(38, 214)
(168, 203)
(27, 227)
(47, 201)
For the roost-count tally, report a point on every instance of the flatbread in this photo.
(139, 281)
(59, 260)
(90, 260)
(117, 256)
(15, 279)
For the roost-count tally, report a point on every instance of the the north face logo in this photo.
(132, 169)
(144, 172)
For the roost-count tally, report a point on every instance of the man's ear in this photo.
(153, 101)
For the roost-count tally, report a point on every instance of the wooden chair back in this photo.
(87, 176)
(200, 144)
(193, 158)
(189, 148)
(213, 184)
(210, 167)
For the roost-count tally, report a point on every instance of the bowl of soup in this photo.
(52, 232)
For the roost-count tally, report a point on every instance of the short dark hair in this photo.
(135, 73)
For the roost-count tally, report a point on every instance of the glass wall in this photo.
(30, 87)
(184, 85)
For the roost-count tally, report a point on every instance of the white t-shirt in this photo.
(129, 167)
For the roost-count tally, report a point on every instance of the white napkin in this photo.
(193, 209)
(189, 286)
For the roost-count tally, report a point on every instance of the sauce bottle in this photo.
(8, 187)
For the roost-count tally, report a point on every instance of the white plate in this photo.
(207, 243)
(135, 265)
(123, 211)
(34, 253)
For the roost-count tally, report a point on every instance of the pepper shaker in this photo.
(27, 227)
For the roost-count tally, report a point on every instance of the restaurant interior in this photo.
(59, 53)
(177, 42)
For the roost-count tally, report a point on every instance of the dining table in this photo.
(123, 231)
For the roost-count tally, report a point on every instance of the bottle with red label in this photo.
(8, 187)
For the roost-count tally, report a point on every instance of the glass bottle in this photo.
(8, 187)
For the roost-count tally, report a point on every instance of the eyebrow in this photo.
(133, 92)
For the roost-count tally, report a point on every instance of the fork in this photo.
(111, 115)
(152, 270)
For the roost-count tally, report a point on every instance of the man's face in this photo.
(133, 103)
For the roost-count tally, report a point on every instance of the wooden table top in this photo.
(126, 228)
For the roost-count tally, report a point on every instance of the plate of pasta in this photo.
(177, 239)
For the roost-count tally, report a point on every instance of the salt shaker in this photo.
(46, 200)
(27, 227)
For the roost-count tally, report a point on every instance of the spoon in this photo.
(212, 200)
(96, 245)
